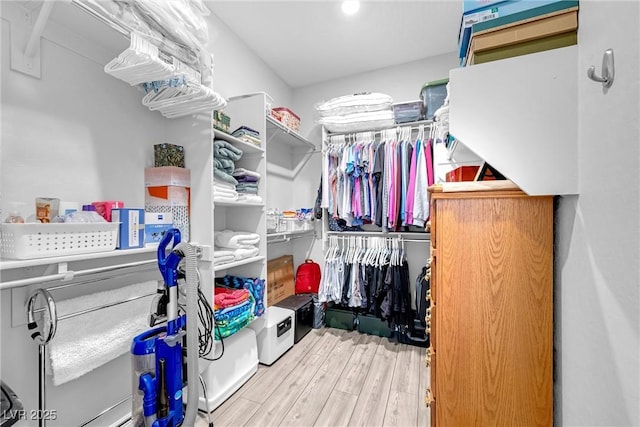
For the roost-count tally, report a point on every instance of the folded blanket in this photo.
(244, 253)
(235, 239)
(224, 149)
(229, 313)
(245, 172)
(246, 178)
(225, 297)
(222, 175)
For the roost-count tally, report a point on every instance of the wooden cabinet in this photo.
(492, 306)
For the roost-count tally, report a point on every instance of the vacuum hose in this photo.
(193, 396)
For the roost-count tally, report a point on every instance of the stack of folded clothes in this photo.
(233, 310)
(247, 187)
(247, 134)
(252, 284)
(225, 156)
(233, 246)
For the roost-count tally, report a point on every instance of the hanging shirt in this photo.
(412, 184)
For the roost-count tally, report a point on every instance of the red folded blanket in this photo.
(225, 297)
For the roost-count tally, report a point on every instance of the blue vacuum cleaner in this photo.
(158, 356)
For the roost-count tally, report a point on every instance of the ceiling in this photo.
(307, 42)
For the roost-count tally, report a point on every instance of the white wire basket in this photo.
(29, 241)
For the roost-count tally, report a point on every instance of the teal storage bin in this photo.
(433, 95)
(373, 326)
(339, 319)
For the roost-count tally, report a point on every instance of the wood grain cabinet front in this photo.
(492, 329)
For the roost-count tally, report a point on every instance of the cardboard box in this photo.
(155, 226)
(167, 175)
(131, 230)
(503, 13)
(168, 155)
(280, 279)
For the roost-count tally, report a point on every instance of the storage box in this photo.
(168, 155)
(131, 229)
(503, 13)
(410, 111)
(167, 175)
(277, 335)
(29, 241)
(287, 117)
(173, 200)
(280, 279)
(433, 95)
(302, 305)
(155, 226)
(462, 173)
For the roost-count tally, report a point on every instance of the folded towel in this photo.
(246, 178)
(251, 198)
(225, 297)
(235, 239)
(245, 172)
(224, 164)
(244, 253)
(223, 256)
(88, 341)
(250, 190)
(247, 185)
(223, 184)
(230, 312)
(245, 130)
(223, 176)
(224, 149)
(224, 191)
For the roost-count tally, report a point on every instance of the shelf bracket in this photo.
(25, 38)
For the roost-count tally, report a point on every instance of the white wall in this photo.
(598, 234)
(238, 70)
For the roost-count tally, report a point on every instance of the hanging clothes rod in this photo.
(69, 275)
(91, 310)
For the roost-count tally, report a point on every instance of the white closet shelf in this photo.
(247, 148)
(378, 129)
(239, 204)
(245, 261)
(9, 264)
(283, 135)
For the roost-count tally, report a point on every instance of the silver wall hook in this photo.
(608, 70)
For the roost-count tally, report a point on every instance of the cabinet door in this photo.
(494, 308)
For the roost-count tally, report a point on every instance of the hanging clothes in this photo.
(379, 181)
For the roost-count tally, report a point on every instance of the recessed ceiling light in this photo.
(350, 7)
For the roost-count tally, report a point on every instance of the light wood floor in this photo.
(334, 378)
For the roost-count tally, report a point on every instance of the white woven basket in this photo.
(29, 241)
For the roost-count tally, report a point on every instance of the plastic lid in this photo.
(433, 83)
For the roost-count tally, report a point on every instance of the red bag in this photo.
(308, 277)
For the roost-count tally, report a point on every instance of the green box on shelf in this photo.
(339, 319)
(168, 155)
